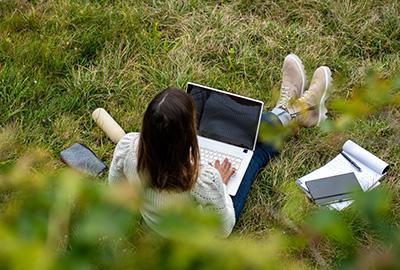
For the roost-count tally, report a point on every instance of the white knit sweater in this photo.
(209, 190)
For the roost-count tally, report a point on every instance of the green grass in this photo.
(59, 60)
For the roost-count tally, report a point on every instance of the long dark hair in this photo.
(168, 153)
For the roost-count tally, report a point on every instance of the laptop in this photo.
(227, 126)
(332, 189)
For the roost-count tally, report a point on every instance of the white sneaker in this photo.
(310, 110)
(293, 80)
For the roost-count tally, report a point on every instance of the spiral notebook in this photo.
(367, 168)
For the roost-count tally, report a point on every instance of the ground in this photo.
(59, 60)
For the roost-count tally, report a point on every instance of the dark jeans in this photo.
(263, 153)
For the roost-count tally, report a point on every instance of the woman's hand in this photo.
(225, 169)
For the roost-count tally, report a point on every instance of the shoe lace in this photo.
(306, 109)
(306, 96)
(303, 105)
(285, 94)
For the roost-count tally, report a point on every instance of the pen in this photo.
(351, 161)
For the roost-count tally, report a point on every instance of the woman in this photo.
(165, 155)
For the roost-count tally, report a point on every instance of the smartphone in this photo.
(83, 159)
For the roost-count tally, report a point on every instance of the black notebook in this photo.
(332, 189)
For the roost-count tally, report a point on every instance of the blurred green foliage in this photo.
(63, 220)
(374, 95)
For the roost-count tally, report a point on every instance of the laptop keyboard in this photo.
(210, 156)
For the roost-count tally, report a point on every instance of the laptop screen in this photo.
(226, 117)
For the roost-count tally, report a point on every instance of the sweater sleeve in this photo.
(124, 148)
(210, 191)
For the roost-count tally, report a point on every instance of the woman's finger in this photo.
(226, 163)
(231, 172)
(217, 164)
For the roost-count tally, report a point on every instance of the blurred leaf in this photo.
(374, 207)
(331, 225)
(274, 134)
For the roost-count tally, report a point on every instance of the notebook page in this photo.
(371, 170)
(340, 165)
(369, 160)
(340, 205)
(366, 177)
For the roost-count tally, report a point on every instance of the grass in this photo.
(59, 60)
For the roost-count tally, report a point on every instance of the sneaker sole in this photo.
(300, 65)
(322, 110)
